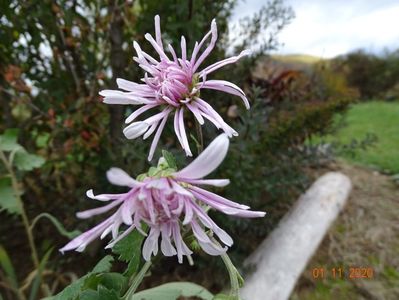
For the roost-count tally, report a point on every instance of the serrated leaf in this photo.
(8, 140)
(8, 200)
(174, 290)
(104, 265)
(71, 291)
(25, 161)
(170, 159)
(129, 250)
(113, 281)
(75, 288)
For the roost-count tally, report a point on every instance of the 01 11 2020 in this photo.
(342, 273)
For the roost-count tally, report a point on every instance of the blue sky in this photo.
(329, 28)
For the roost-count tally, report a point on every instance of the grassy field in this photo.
(378, 118)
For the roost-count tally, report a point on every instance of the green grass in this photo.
(379, 118)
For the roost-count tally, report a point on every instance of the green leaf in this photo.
(129, 250)
(170, 159)
(152, 171)
(8, 200)
(8, 140)
(101, 294)
(104, 265)
(25, 161)
(8, 268)
(61, 229)
(224, 297)
(106, 294)
(172, 291)
(112, 281)
(71, 291)
(37, 281)
(42, 140)
(75, 288)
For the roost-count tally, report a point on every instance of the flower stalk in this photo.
(137, 280)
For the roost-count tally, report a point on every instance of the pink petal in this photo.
(139, 111)
(226, 86)
(157, 136)
(223, 62)
(182, 131)
(79, 243)
(96, 211)
(158, 36)
(210, 46)
(151, 244)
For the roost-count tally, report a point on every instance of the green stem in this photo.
(233, 273)
(235, 286)
(25, 220)
(137, 280)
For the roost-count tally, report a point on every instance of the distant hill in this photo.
(298, 58)
(275, 64)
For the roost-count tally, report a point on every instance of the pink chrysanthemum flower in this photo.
(173, 84)
(168, 201)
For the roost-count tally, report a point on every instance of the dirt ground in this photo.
(366, 236)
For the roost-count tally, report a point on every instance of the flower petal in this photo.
(214, 182)
(99, 210)
(118, 97)
(135, 130)
(227, 87)
(117, 176)
(207, 161)
(103, 197)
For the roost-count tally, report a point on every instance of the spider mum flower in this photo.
(174, 85)
(169, 202)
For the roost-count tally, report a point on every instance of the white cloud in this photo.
(330, 28)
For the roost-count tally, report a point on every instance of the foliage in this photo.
(19, 158)
(174, 290)
(129, 250)
(373, 75)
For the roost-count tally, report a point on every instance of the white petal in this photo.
(103, 197)
(119, 177)
(208, 160)
(118, 97)
(135, 130)
(214, 182)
